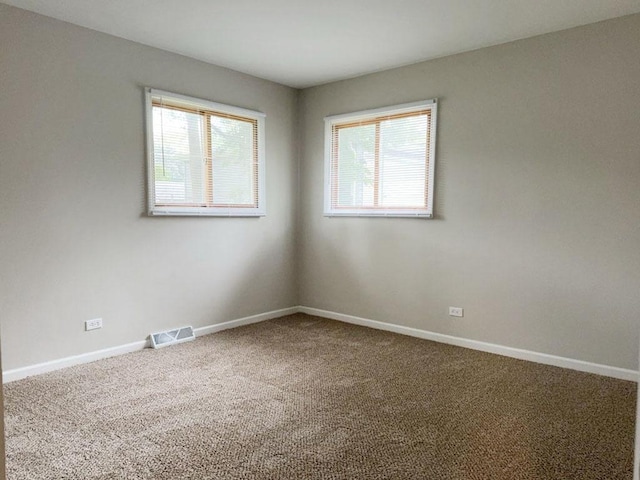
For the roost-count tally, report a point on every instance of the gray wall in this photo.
(75, 242)
(537, 232)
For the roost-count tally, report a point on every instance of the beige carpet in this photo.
(307, 398)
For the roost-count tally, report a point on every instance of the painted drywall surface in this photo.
(536, 232)
(76, 243)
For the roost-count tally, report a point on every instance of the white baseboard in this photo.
(615, 372)
(582, 366)
(28, 371)
(39, 368)
(261, 317)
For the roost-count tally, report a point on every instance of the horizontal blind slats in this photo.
(381, 162)
(202, 157)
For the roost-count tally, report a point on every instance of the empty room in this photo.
(319, 240)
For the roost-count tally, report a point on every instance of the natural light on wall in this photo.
(204, 158)
(381, 162)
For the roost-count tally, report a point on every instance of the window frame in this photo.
(373, 116)
(154, 209)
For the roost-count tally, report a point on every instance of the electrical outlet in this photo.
(456, 311)
(93, 324)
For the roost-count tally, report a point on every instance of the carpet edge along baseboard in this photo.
(537, 357)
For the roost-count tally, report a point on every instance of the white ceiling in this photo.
(301, 43)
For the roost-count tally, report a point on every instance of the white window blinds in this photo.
(381, 162)
(204, 158)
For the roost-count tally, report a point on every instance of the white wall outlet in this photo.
(93, 324)
(456, 311)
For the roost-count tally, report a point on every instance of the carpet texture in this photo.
(307, 398)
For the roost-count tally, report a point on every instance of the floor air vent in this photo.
(171, 337)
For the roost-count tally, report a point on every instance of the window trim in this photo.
(369, 116)
(209, 211)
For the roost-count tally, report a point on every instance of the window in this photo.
(204, 158)
(381, 162)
